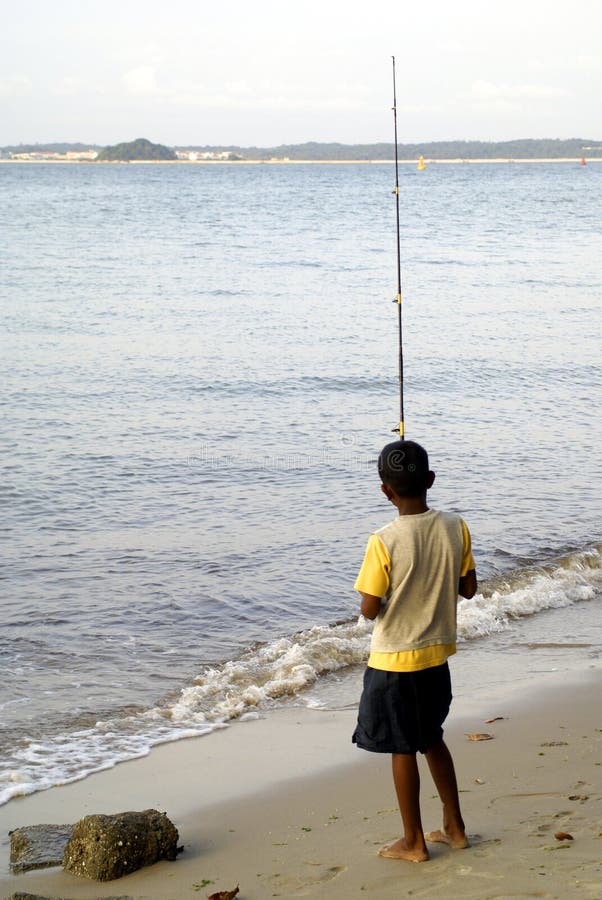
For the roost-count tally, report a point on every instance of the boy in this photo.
(413, 571)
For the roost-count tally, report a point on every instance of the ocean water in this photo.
(199, 368)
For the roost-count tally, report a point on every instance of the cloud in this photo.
(67, 87)
(537, 64)
(268, 100)
(588, 62)
(15, 86)
(239, 89)
(144, 80)
(141, 80)
(487, 90)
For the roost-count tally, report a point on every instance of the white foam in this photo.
(528, 591)
(70, 757)
(277, 670)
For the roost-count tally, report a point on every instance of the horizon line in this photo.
(304, 143)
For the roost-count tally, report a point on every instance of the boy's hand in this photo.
(468, 584)
(370, 605)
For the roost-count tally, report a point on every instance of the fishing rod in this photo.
(400, 428)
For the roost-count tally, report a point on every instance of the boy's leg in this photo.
(441, 764)
(407, 786)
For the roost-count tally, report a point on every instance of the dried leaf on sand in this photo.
(480, 737)
(224, 895)
(495, 719)
(564, 836)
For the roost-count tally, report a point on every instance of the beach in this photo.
(285, 806)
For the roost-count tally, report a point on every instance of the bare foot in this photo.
(400, 850)
(460, 842)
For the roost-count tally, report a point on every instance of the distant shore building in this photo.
(40, 155)
(206, 155)
(53, 156)
(81, 154)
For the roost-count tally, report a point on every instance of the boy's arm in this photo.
(468, 584)
(468, 576)
(370, 605)
(373, 579)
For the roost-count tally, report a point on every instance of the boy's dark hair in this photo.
(404, 466)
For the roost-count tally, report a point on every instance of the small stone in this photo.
(19, 895)
(38, 846)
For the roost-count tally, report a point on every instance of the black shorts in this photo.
(402, 712)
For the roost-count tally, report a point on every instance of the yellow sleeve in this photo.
(373, 577)
(468, 562)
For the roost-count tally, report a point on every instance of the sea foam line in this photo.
(267, 675)
(258, 679)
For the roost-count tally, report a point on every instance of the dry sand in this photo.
(287, 807)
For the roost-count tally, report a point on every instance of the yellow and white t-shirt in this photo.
(415, 563)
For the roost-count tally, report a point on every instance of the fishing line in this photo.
(400, 428)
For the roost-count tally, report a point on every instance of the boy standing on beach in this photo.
(413, 570)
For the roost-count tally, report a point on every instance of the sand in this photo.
(286, 807)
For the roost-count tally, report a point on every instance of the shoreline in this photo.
(287, 806)
(304, 162)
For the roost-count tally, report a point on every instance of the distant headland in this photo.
(143, 150)
(140, 149)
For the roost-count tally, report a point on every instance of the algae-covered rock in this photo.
(19, 895)
(38, 846)
(105, 847)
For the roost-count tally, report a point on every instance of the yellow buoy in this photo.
(421, 164)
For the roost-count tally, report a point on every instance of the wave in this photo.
(270, 674)
(303, 384)
(526, 591)
(260, 678)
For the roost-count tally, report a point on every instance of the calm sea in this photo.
(199, 368)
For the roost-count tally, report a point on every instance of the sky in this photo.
(263, 73)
